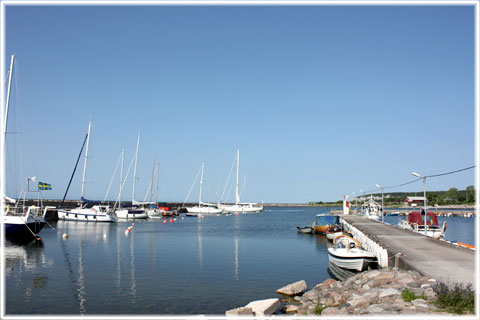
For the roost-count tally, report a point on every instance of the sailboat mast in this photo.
(135, 170)
(153, 176)
(85, 161)
(4, 114)
(156, 191)
(237, 195)
(201, 185)
(121, 180)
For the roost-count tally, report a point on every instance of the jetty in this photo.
(408, 250)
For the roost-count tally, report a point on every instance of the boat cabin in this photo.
(418, 218)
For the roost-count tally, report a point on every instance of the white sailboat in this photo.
(240, 206)
(21, 222)
(95, 213)
(203, 207)
(134, 212)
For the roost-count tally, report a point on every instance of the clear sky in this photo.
(321, 100)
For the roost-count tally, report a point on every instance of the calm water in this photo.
(191, 266)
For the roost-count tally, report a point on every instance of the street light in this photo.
(355, 197)
(383, 211)
(424, 198)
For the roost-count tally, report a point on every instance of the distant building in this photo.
(413, 201)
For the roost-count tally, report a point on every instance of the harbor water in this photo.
(191, 266)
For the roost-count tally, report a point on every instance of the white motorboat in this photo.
(239, 206)
(416, 222)
(347, 253)
(88, 210)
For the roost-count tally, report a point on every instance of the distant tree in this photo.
(451, 196)
(470, 194)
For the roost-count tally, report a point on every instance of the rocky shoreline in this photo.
(375, 292)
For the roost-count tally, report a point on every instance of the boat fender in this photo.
(6, 209)
(444, 226)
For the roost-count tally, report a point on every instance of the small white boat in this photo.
(306, 230)
(203, 207)
(97, 213)
(347, 253)
(416, 222)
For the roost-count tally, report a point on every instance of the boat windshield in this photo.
(322, 220)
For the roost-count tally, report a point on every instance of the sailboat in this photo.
(21, 222)
(88, 210)
(203, 207)
(134, 212)
(240, 206)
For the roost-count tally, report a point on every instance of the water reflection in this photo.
(24, 256)
(199, 238)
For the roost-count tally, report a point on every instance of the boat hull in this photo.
(85, 215)
(350, 261)
(17, 229)
(131, 214)
(240, 208)
(306, 230)
(206, 210)
(333, 235)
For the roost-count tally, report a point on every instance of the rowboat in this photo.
(305, 230)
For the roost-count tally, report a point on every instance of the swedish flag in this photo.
(44, 186)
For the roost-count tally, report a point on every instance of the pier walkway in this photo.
(432, 258)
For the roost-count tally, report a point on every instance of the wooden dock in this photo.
(410, 250)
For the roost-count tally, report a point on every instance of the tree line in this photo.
(449, 197)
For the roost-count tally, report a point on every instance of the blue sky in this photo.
(320, 100)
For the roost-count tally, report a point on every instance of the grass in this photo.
(458, 299)
(318, 309)
(409, 296)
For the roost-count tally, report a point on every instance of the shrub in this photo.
(457, 299)
(409, 296)
(318, 309)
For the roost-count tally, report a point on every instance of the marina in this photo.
(188, 266)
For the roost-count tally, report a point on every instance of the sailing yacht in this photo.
(21, 222)
(134, 212)
(240, 206)
(88, 210)
(203, 207)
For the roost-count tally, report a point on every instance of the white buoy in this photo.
(65, 236)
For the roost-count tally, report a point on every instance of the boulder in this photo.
(293, 289)
(291, 308)
(264, 307)
(388, 292)
(242, 311)
(333, 311)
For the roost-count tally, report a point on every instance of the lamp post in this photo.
(355, 197)
(383, 211)
(424, 199)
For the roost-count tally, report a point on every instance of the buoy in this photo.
(171, 220)
(65, 236)
(104, 236)
(182, 218)
(38, 239)
(164, 221)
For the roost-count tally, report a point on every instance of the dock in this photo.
(409, 250)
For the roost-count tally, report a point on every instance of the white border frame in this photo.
(3, 69)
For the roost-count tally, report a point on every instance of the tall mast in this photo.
(237, 195)
(135, 169)
(4, 114)
(85, 161)
(201, 185)
(156, 191)
(153, 176)
(121, 180)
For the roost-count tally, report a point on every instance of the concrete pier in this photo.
(413, 251)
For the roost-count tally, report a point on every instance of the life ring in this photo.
(6, 209)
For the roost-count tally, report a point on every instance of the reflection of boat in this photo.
(305, 229)
(393, 214)
(95, 213)
(372, 210)
(416, 222)
(338, 273)
(322, 221)
(347, 253)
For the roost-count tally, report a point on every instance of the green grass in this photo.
(318, 309)
(409, 296)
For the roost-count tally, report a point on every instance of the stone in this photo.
(358, 302)
(312, 295)
(418, 301)
(293, 288)
(375, 308)
(382, 279)
(242, 311)
(388, 292)
(264, 307)
(291, 308)
(332, 311)
(372, 274)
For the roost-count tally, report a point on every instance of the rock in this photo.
(382, 279)
(388, 292)
(297, 298)
(306, 308)
(418, 301)
(375, 308)
(358, 302)
(312, 295)
(242, 311)
(291, 308)
(293, 288)
(264, 307)
(332, 311)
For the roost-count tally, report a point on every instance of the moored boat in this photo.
(323, 221)
(372, 210)
(416, 222)
(347, 253)
(333, 231)
(306, 230)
